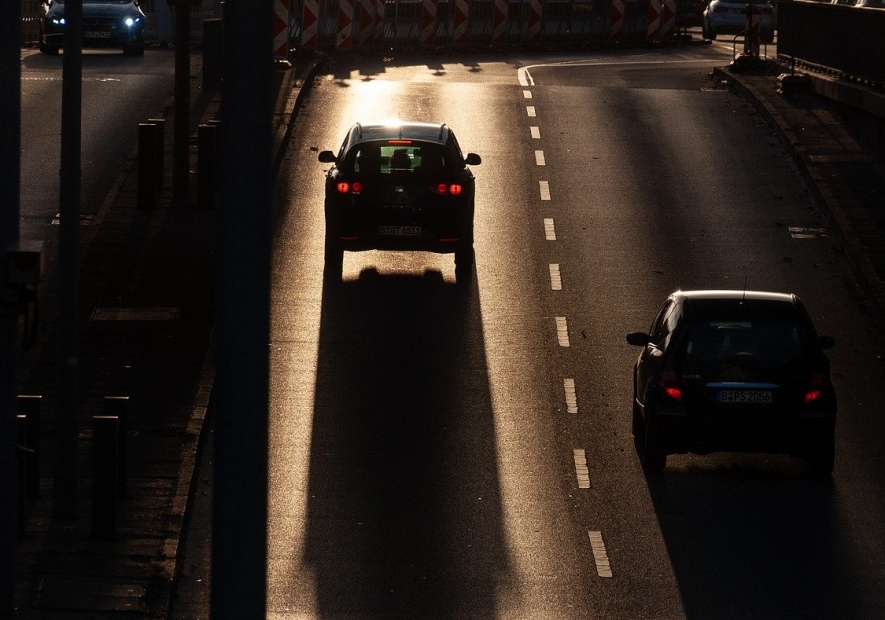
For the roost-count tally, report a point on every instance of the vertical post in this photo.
(213, 49)
(29, 406)
(159, 149)
(181, 124)
(147, 159)
(118, 407)
(104, 477)
(239, 544)
(206, 165)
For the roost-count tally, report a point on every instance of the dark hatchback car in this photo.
(400, 186)
(733, 371)
(106, 23)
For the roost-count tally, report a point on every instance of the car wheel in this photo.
(654, 458)
(333, 261)
(464, 260)
(822, 457)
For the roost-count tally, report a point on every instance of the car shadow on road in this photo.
(404, 514)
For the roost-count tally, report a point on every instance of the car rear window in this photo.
(766, 342)
(399, 158)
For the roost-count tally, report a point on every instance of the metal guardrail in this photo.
(846, 39)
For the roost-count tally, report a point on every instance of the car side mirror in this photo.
(327, 157)
(472, 159)
(826, 342)
(639, 339)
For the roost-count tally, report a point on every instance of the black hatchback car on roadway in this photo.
(733, 371)
(106, 23)
(400, 186)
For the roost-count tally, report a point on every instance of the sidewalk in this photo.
(848, 183)
(146, 332)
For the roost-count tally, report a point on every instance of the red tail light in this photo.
(671, 388)
(343, 187)
(815, 387)
(454, 189)
(357, 187)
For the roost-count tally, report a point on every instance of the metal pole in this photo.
(10, 190)
(67, 364)
(182, 106)
(239, 545)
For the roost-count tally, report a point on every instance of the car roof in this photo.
(394, 130)
(735, 294)
(728, 304)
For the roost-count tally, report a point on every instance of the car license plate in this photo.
(750, 397)
(400, 231)
(97, 35)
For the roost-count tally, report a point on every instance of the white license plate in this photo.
(97, 35)
(751, 397)
(400, 231)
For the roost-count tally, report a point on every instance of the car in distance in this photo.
(400, 186)
(106, 23)
(740, 371)
(729, 16)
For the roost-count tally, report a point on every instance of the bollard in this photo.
(105, 435)
(213, 51)
(147, 144)
(118, 407)
(206, 165)
(160, 152)
(29, 406)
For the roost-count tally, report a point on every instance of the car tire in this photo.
(464, 261)
(654, 458)
(822, 457)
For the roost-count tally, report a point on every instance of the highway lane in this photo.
(426, 456)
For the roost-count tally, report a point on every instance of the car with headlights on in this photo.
(741, 371)
(730, 17)
(400, 186)
(106, 23)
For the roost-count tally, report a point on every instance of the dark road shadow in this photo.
(404, 511)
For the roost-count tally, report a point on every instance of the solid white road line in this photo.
(555, 277)
(562, 331)
(581, 470)
(600, 555)
(549, 229)
(571, 396)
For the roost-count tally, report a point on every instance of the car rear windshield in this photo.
(770, 343)
(399, 160)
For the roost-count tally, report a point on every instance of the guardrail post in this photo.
(206, 165)
(147, 161)
(105, 437)
(160, 152)
(29, 406)
(118, 407)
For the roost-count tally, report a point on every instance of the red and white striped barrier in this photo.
(367, 22)
(379, 23)
(281, 28)
(310, 23)
(654, 20)
(344, 40)
(668, 19)
(499, 22)
(536, 8)
(616, 29)
(459, 23)
(428, 22)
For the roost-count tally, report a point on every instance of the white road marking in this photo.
(527, 94)
(536, 133)
(539, 158)
(545, 190)
(555, 277)
(525, 78)
(562, 331)
(571, 396)
(549, 229)
(581, 470)
(600, 555)
(530, 110)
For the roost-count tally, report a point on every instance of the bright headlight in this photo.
(58, 20)
(129, 21)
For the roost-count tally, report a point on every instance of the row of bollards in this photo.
(109, 461)
(151, 146)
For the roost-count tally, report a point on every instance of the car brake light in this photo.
(815, 387)
(454, 189)
(343, 187)
(357, 187)
(668, 382)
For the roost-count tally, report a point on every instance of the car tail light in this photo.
(671, 388)
(454, 189)
(357, 187)
(815, 387)
(344, 187)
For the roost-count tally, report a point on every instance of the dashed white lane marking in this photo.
(600, 555)
(544, 186)
(571, 396)
(525, 78)
(555, 277)
(530, 110)
(527, 94)
(562, 331)
(536, 132)
(539, 158)
(581, 470)
(549, 229)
